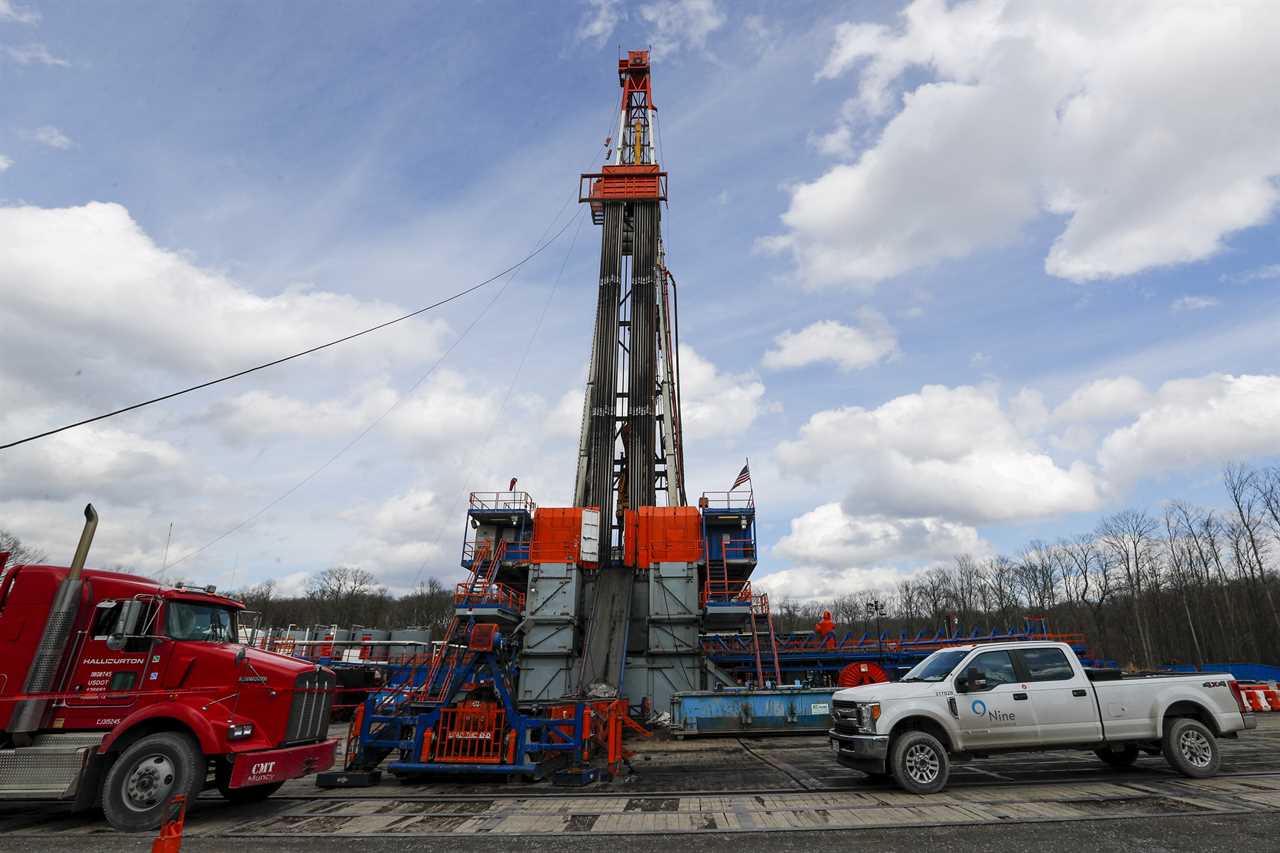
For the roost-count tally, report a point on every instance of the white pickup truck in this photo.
(971, 701)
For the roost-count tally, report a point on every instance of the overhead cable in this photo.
(461, 293)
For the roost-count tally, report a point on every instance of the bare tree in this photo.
(1250, 544)
(1129, 537)
(19, 553)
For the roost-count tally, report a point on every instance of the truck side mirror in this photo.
(962, 684)
(127, 621)
(116, 641)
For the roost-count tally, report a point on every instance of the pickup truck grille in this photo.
(846, 716)
(309, 713)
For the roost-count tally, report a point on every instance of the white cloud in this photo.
(848, 347)
(827, 536)
(951, 453)
(681, 24)
(1194, 303)
(1104, 400)
(812, 583)
(258, 415)
(565, 418)
(837, 143)
(674, 25)
(1139, 123)
(52, 137)
(599, 20)
(91, 277)
(5, 163)
(113, 462)
(1267, 272)
(1210, 420)
(715, 403)
(33, 54)
(10, 11)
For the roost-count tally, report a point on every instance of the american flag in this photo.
(744, 476)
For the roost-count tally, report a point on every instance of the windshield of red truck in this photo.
(190, 620)
(936, 666)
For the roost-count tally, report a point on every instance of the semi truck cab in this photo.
(118, 691)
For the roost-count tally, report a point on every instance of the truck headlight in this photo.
(868, 714)
(239, 731)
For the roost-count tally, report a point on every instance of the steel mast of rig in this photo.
(629, 444)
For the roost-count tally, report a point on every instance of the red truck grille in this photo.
(309, 713)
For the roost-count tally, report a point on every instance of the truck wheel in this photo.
(1190, 748)
(1121, 757)
(239, 796)
(919, 763)
(141, 781)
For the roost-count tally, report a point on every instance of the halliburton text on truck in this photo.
(118, 691)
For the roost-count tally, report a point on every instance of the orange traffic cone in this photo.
(170, 838)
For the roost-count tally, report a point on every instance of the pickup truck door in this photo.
(994, 705)
(1061, 695)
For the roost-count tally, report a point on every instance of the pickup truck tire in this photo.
(1119, 758)
(138, 786)
(1190, 748)
(919, 763)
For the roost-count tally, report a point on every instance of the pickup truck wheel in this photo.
(919, 763)
(1122, 757)
(139, 784)
(1190, 748)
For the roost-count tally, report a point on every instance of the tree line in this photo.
(1186, 584)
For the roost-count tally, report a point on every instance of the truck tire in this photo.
(919, 763)
(1190, 748)
(1122, 757)
(239, 796)
(140, 782)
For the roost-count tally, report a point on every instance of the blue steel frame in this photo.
(535, 736)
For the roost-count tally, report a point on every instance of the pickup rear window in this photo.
(1046, 665)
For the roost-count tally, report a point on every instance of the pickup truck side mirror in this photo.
(116, 641)
(962, 684)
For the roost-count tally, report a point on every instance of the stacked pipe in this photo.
(604, 374)
(642, 358)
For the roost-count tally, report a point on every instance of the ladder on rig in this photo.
(445, 661)
(760, 613)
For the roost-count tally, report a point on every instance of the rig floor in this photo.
(780, 790)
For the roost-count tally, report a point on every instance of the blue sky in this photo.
(953, 276)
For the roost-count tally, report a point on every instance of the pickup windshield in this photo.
(936, 666)
(191, 620)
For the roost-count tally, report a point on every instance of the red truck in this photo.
(118, 691)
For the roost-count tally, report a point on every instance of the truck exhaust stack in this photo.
(29, 714)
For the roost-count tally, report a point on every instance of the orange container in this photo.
(668, 534)
(631, 539)
(557, 535)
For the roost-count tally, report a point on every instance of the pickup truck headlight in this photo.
(239, 731)
(861, 715)
(865, 716)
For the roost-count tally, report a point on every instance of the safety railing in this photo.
(471, 594)
(513, 552)
(726, 592)
(502, 501)
(738, 548)
(728, 500)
